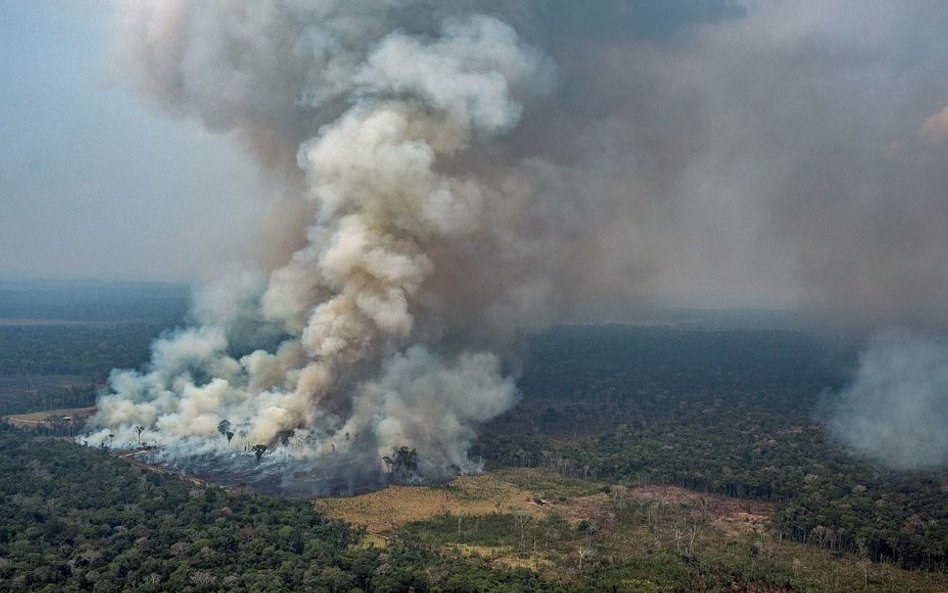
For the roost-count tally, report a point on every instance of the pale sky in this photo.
(790, 152)
(96, 184)
(93, 184)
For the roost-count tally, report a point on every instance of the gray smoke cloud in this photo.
(381, 121)
(450, 175)
(896, 410)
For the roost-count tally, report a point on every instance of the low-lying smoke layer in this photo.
(451, 174)
(895, 411)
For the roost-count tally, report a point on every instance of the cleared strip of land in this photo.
(46, 417)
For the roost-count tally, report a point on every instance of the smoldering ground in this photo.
(447, 177)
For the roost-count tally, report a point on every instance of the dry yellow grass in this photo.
(387, 509)
(382, 512)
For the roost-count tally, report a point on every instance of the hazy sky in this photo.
(93, 184)
(719, 151)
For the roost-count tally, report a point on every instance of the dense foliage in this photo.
(74, 518)
(90, 350)
(78, 519)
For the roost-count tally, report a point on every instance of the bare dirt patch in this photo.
(733, 516)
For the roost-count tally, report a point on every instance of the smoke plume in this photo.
(378, 118)
(896, 409)
(447, 176)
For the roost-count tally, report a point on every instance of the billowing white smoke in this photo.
(442, 186)
(896, 410)
(382, 123)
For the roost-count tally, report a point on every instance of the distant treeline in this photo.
(75, 519)
(86, 350)
(20, 400)
(93, 301)
(105, 325)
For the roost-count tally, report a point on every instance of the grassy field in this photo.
(654, 535)
(383, 511)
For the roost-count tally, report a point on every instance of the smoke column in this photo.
(449, 175)
(387, 117)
